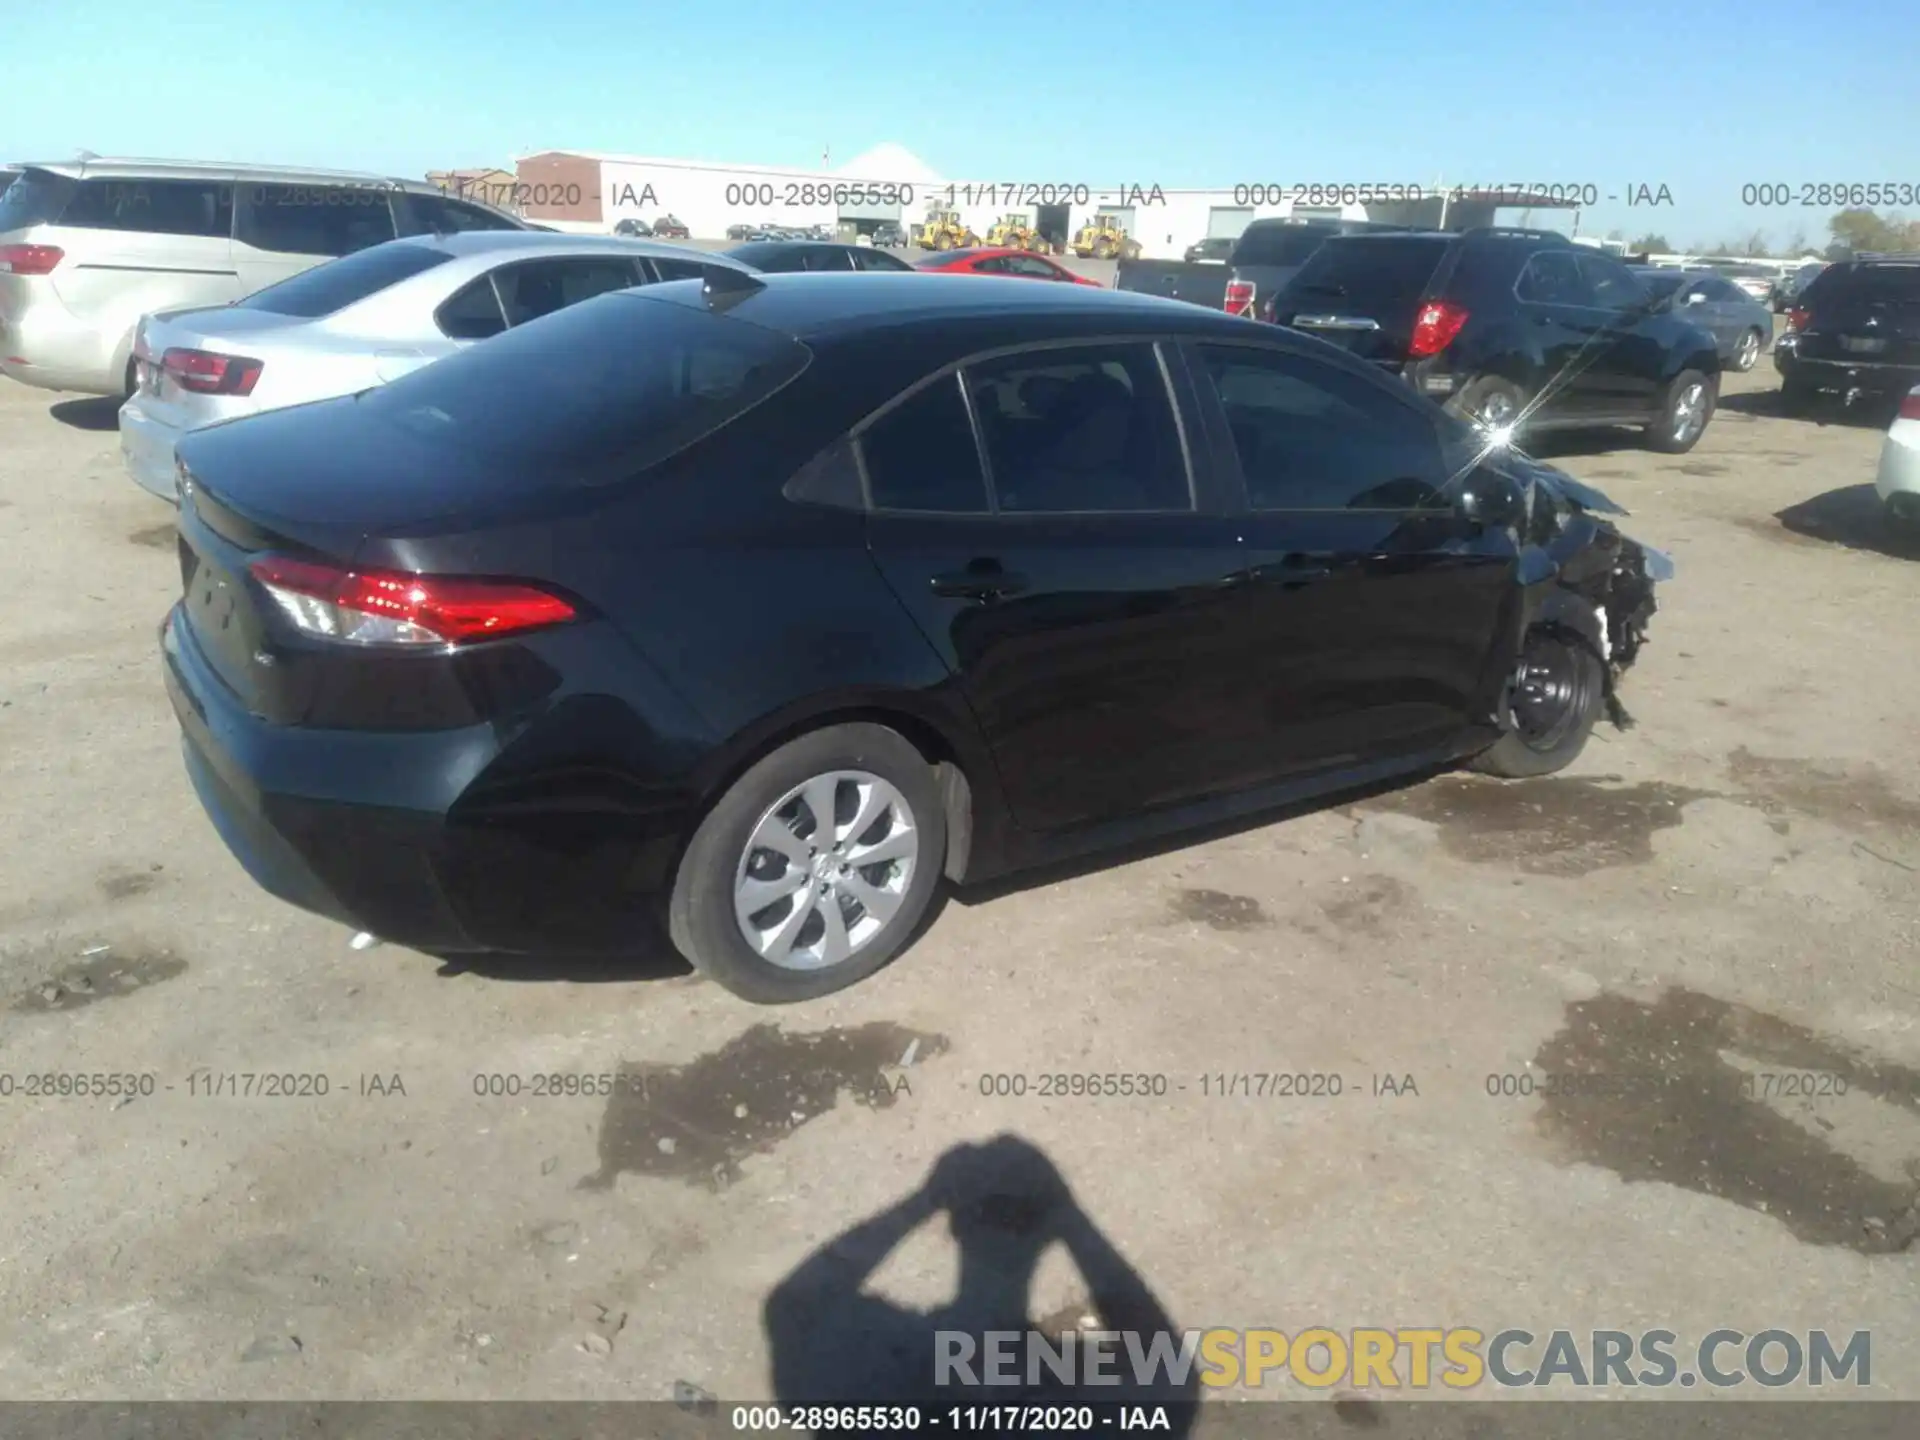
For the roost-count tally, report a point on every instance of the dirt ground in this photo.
(1726, 893)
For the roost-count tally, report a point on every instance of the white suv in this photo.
(88, 247)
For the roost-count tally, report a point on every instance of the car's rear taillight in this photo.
(29, 259)
(1910, 407)
(372, 607)
(1434, 327)
(1797, 318)
(205, 373)
(1239, 299)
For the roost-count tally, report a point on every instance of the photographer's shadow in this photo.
(1006, 1203)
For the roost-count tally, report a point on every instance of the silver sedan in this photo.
(361, 321)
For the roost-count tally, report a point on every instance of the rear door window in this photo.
(472, 312)
(1610, 284)
(1081, 429)
(832, 259)
(1552, 278)
(665, 269)
(540, 287)
(326, 289)
(318, 219)
(921, 455)
(152, 207)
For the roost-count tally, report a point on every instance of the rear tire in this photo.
(1558, 691)
(1686, 409)
(727, 867)
(1489, 400)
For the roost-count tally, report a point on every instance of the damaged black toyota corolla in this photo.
(748, 613)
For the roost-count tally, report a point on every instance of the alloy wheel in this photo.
(1689, 415)
(825, 870)
(1749, 352)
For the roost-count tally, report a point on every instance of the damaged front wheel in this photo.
(1556, 694)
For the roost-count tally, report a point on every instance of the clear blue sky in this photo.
(1701, 97)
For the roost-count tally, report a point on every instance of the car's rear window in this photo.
(1279, 244)
(329, 288)
(1370, 274)
(36, 198)
(1860, 284)
(598, 391)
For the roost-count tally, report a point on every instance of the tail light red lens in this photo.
(1910, 407)
(1797, 318)
(1434, 327)
(371, 607)
(29, 259)
(205, 373)
(1239, 299)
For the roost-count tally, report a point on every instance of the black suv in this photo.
(1855, 328)
(1513, 328)
(1270, 252)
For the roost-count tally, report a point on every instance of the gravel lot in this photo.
(1728, 887)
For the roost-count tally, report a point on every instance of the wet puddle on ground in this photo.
(697, 1122)
(1714, 1097)
(1843, 795)
(1556, 826)
(1218, 910)
(106, 976)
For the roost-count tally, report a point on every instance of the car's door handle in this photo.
(1292, 571)
(979, 582)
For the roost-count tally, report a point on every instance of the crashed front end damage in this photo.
(1581, 578)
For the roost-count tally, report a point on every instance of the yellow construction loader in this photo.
(1015, 231)
(943, 231)
(1102, 238)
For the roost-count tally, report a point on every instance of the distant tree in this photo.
(1619, 235)
(1864, 230)
(1796, 244)
(1652, 243)
(1756, 245)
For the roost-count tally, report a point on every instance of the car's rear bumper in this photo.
(44, 345)
(1874, 377)
(1898, 479)
(146, 448)
(375, 830)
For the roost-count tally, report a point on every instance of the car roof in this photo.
(811, 305)
(972, 252)
(477, 243)
(102, 167)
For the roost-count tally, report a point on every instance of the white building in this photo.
(593, 191)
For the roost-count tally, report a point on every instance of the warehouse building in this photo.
(592, 192)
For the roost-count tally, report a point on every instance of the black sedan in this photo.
(787, 256)
(756, 608)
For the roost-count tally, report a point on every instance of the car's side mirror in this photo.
(1489, 498)
(1696, 298)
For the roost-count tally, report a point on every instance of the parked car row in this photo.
(665, 228)
(361, 321)
(88, 247)
(1521, 330)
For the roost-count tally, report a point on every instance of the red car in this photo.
(1001, 260)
